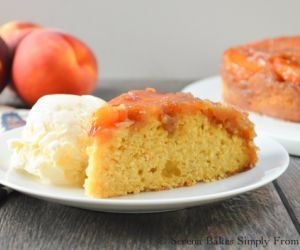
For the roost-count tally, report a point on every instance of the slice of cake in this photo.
(144, 140)
(264, 77)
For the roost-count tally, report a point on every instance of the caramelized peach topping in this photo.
(239, 63)
(282, 54)
(139, 105)
(287, 68)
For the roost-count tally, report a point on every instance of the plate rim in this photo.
(155, 202)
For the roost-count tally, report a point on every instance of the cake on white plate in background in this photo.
(54, 140)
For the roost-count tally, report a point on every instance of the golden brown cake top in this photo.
(279, 56)
(139, 105)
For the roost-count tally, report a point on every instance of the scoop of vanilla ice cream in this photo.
(54, 140)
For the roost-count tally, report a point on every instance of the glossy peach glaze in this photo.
(139, 105)
(280, 57)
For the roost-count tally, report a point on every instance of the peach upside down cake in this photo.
(264, 77)
(144, 140)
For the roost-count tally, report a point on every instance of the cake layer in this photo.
(146, 140)
(149, 158)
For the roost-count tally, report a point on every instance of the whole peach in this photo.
(13, 32)
(4, 64)
(52, 62)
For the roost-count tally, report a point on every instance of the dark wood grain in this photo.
(10, 98)
(289, 186)
(29, 223)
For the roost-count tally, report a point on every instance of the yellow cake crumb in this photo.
(146, 158)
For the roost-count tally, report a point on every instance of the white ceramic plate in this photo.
(273, 161)
(287, 133)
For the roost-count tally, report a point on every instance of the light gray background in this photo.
(167, 39)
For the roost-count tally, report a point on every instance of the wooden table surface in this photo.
(270, 214)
